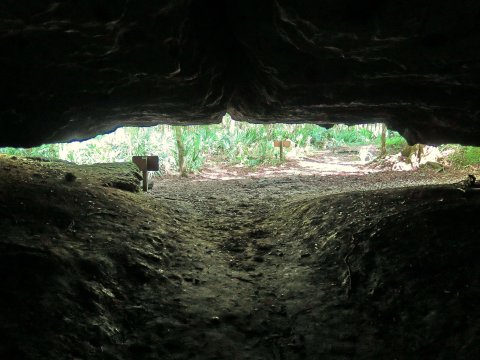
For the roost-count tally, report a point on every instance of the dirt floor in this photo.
(367, 265)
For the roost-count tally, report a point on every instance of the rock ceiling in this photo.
(72, 69)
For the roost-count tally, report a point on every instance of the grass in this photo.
(463, 156)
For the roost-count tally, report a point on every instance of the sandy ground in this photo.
(362, 266)
(319, 163)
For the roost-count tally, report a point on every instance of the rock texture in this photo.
(72, 69)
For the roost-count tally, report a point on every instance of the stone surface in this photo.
(72, 69)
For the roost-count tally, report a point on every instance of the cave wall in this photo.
(72, 69)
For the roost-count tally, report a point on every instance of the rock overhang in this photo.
(71, 70)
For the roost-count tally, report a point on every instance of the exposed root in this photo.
(349, 269)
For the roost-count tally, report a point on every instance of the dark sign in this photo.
(148, 163)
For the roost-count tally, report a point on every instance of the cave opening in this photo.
(233, 149)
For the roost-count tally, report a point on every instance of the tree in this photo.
(180, 152)
(383, 147)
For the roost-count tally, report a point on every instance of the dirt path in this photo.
(342, 161)
(252, 279)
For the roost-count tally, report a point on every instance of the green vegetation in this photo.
(462, 156)
(395, 141)
(349, 135)
(50, 151)
(229, 142)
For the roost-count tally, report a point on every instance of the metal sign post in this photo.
(146, 164)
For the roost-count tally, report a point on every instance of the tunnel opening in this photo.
(233, 149)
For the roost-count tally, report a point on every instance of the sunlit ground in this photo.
(321, 163)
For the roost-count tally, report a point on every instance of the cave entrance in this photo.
(239, 150)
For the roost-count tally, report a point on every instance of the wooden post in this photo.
(145, 180)
(281, 150)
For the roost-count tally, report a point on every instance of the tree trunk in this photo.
(383, 148)
(180, 152)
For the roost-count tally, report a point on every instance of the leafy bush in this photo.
(395, 141)
(341, 135)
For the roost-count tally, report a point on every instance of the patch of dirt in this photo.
(348, 160)
(376, 266)
(341, 161)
